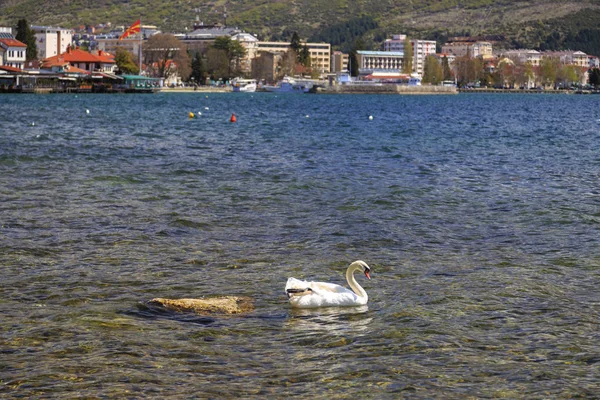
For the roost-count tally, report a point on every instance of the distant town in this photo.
(141, 57)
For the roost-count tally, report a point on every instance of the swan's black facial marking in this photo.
(367, 271)
(298, 292)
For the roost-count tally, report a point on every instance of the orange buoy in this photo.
(233, 118)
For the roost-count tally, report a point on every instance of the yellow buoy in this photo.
(192, 115)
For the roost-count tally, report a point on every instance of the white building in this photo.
(421, 49)
(396, 43)
(524, 56)
(12, 51)
(381, 61)
(51, 41)
(250, 43)
(474, 49)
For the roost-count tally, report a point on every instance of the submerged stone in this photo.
(210, 305)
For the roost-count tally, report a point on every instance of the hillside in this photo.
(533, 23)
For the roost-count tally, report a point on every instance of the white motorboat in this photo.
(244, 85)
(289, 85)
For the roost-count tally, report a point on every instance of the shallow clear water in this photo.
(479, 215)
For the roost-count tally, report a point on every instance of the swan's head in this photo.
(362, 266)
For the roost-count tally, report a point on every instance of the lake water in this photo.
(478, 213)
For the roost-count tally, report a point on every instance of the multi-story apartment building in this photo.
(421, 49)
(339, 62)
(320, 53)
(51, 41)
(524, 56)
(463, 48)
(396, 43)
(577, 58)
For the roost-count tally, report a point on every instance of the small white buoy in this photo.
(87, 111)
(33, 124)
(199, 113)
(307, 116)
(206, 108)
(370, 118)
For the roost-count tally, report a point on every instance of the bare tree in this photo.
(165, 56)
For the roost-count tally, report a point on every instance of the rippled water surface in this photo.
(479, 215)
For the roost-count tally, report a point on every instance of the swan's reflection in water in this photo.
(332, 320)
(323, 343)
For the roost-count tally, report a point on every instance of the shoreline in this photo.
(199, 89)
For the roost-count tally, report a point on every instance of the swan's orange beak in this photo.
(368, 274)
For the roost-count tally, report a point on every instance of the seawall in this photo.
(386, 89)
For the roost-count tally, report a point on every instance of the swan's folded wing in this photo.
(325, 287)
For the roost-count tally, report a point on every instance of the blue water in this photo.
(478, 213)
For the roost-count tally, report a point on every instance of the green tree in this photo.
(549, 70)
(304, 56)
(125, 62)
(594, 77)
(567, 75)
(199, 72)
(432, 71)
(407, 62)
(359, 44)
(295, 42)
(446, 69)
(26, 35)
(234, 51)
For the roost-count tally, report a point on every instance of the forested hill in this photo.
(540, 24)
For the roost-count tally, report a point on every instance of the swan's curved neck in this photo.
(360, 292)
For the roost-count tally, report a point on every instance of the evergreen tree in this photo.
(304, 56)
(295, 43)
(26, 35)
(407, 62)
(594, 77)
(234, 51)
(359, 44)
(199, 72)
(446, 69)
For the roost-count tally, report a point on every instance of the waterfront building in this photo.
(51, 41)
(421, 49)
(371, 61)
(264, 65)
(110, 44)
(320, 53)
(465, 47)
(250, 43)
(100, 61)
(339, 62)
(524, 56)
(203, 36)
(396, 43)
(577, 58)
(12, 51)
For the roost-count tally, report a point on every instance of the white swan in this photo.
(303, 294)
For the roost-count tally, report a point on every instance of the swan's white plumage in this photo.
(305, 294)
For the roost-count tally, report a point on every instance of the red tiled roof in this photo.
(12, 43)
(74, 56)
(9, 69)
